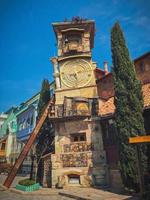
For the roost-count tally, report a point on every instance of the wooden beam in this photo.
(139, 139)
(26, 148)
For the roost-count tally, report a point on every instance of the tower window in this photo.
(78, 137)
(73, 37)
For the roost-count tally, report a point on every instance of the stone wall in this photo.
(86, 158)
(88, 92)
(105, 87)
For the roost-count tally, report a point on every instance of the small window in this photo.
(31, 120)
(73, 179)
(78, 137)
(28, 122)
(82, 138)
(75, 138)
(3, 146)
(20, 126)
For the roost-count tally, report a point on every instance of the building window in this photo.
(73, 37)
(31, 120)
(78, 137)
(12, 124)
(73, 179)
(28, 122)
(3, 146)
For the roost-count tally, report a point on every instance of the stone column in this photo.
(86, 41)
(59, 43)
(56, 71)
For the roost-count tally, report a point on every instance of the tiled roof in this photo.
(108, 107)
(146, 94)
(143, 56)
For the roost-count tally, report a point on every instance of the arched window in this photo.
(24, 124)
(28, 121)
(32, 120)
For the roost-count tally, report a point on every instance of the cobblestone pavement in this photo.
(6, 195)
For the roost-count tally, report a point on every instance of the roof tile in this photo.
(108, 107)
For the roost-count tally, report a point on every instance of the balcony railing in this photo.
(60, 112)
(71, 109)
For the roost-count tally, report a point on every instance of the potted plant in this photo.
(27, 185)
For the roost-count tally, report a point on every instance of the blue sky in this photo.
(27, 39)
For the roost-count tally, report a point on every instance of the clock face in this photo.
(76, 73)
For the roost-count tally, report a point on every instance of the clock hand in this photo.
(75, 75)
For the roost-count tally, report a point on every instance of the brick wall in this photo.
(105, 86)
(142, 67)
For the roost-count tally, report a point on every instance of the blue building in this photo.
(26, 122)
(27, 115)
(26, 118)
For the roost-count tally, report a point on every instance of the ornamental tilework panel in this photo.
(77, 147)
(74, 160)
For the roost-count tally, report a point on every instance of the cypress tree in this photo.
(129, 108)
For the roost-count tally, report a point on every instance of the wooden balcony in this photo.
(73, 108)
(60, 114)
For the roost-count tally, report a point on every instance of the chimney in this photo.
(106, 67)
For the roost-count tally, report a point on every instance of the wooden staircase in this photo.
(27, 147)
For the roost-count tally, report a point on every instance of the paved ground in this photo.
(63, 194)
(6, 195)
(17, 178)
(96, 194)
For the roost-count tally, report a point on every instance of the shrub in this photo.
(26, 182)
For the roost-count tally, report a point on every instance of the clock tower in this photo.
(79, 156)
(73, 67)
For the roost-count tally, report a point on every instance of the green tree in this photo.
(129, 107)
(45, 138)
(44, 96)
